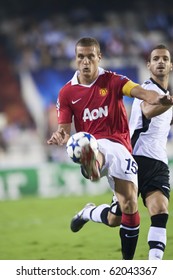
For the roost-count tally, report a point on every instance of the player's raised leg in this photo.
(109, 215)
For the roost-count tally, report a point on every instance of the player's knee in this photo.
(157, 208)
(162, 209)
(130, 205)
(157, 203)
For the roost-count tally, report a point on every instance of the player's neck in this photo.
(87, 79)
(162, 81)
(84, 80)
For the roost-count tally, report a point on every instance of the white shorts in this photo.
(119, 163)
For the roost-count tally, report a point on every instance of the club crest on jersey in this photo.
(103, 91)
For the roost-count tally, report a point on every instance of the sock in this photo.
(97, 214)
(129, 231)
(157, 236)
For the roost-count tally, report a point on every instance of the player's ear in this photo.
(148, 65)
(100, 56)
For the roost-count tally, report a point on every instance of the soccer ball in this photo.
(77, 141)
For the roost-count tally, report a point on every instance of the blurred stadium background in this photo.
(37, 41)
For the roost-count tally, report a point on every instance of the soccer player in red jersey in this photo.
(94, 97)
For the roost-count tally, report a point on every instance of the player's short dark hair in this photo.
(161, 47)
(88, 42)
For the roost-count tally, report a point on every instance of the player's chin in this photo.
(161, 72)
(86, 71)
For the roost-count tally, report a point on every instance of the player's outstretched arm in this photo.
(151, 111)
(61, 136)
(151, 96)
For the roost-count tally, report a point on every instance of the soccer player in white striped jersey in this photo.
(149, 127)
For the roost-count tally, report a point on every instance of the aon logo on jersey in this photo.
(95, 113)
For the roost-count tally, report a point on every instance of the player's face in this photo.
(160, 63)
(87, 60)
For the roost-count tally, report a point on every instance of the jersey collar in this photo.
(154, 82)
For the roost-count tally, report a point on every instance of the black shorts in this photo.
(152, 175)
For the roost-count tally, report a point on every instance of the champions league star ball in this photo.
(77, 141)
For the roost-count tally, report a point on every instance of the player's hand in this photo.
(59, 137)
(166, 100)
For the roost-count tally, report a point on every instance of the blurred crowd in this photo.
(30, 43)
(35, 42)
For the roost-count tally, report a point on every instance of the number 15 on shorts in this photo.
(131, 166)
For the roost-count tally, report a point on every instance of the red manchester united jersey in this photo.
(98, 108)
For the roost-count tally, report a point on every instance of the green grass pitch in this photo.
(38, 229)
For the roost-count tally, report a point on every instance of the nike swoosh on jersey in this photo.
(75, 101)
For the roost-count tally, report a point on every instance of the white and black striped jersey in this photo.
(149, 136)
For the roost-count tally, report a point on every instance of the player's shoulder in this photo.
(113, 73)
(106, 73)
(114, 76)
(66, 87)
(148, 84)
